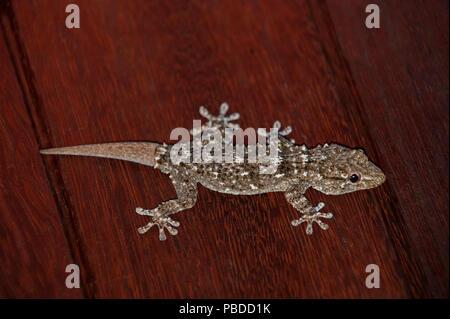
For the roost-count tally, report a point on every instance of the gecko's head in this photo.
(344, 170)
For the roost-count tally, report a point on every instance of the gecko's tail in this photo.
(138, 152)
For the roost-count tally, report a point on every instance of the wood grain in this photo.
(401, 74)
(137, 69)
(34, 247)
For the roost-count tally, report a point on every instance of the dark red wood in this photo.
(34, 247)
(401, 75)
(137, 69)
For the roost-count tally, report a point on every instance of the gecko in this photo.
(332, 169)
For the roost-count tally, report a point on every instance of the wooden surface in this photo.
(137, 69)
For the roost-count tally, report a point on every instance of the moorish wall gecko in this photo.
(331, 169)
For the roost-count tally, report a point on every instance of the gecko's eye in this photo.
(354, 178)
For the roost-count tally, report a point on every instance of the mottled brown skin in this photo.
(330, 169)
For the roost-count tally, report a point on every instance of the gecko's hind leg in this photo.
(295, 196)
(159, 219)
(220, 121)
(187, 196)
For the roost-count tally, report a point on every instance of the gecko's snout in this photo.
(382, 177)
(376, 177)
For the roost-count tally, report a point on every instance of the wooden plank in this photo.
(137, 69)
(34, 251)
(401, 74)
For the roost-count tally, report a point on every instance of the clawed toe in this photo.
(277, 125)
(163, 222)
(220, 120)
(314, 217)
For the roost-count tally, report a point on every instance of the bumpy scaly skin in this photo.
(330, 169)
(326, 168)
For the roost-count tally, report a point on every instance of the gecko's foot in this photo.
(160, 220)
(277, 125)
(219, 121)
(312, 217)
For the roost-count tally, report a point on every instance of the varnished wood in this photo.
(137, 69)
(34, 245)
(400, 73)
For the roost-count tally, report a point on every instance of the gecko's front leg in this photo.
(295, 196)
(187, 196)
